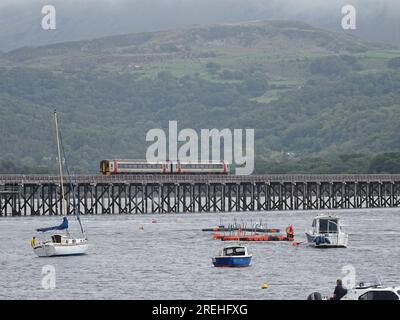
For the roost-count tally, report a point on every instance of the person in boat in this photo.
(340, 291)
(33, 242)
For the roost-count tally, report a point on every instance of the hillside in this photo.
(273, 39)
(306, 91)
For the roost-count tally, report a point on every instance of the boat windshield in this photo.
(235, 251)
(368, 283)
(328, 225)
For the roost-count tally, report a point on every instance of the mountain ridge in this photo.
(272, 37)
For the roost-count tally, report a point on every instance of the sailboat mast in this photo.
(59, 162)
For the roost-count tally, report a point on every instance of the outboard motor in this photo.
(314, 296)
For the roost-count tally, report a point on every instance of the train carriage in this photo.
(115, 167)
(220, 167)
(112, 167)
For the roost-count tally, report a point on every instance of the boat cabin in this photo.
(373, 290)
(326, 225)
(234, 251)
(62, 239)
(56, 238)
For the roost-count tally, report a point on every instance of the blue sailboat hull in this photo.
(231, 261)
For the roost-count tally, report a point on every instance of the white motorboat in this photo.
(327, 232)
(58, 244)
(372, 291)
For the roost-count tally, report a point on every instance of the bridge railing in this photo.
(9, 189)
(290, 178)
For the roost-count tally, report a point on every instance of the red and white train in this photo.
(113, 167)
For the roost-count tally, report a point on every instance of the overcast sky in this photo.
(20, 20)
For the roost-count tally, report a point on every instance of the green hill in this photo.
(308, 93)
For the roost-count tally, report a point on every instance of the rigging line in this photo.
(74, 204)
(59, 161)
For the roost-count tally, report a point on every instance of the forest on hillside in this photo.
(315, 113)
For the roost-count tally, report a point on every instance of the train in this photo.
(115, 167)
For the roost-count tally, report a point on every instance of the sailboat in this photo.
(57, 244)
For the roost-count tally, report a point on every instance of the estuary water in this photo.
(133, 257)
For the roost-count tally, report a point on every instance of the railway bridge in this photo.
(34, 195)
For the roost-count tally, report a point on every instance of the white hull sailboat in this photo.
(67, 247)
(59, 244)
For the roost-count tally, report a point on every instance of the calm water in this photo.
(171, 259)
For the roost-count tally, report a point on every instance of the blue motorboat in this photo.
(233, 256)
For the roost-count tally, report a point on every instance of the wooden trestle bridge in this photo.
(31, 195)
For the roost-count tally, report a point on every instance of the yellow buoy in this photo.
(264, 286)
